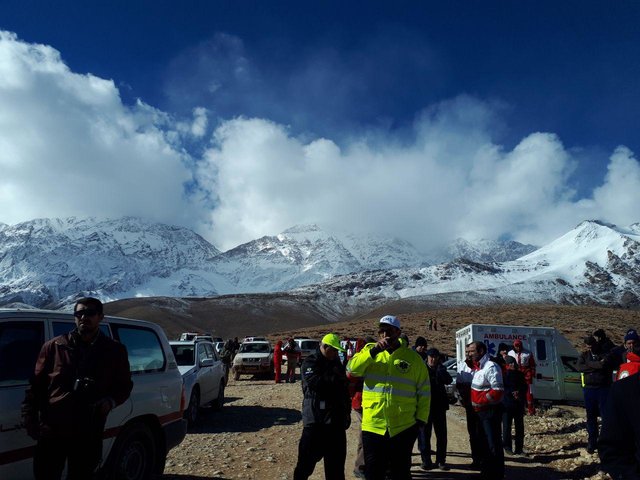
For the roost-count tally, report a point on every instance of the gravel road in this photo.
(255, 436)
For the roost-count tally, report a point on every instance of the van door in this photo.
(20, 343)
(545, 384)
(572, 380)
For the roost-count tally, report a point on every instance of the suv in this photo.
(307, 346)
(138, 433)
(203, 374)
(253, 358)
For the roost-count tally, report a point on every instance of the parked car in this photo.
(452, 392)
(138, 433)
(204, 376)
(254, 339)
(307, 346)
(253, 358)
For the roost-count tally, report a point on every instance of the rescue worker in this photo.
(479, 382)
(527, 365)
(277, 361)
(326, 412)
(79, 378)
(396, 397)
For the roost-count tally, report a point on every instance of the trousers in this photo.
(385, 454)
(328, 442)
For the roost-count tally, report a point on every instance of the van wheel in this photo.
(134, 454)
(218, 402)
(193, 409)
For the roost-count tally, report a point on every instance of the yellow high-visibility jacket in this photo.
(396, 392)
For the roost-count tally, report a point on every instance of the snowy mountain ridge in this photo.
(50, 261)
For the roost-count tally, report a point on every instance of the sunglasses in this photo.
(85, 313)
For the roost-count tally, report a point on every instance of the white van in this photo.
(556, 379)
(138, 433)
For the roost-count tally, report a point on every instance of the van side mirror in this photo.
(207, 362)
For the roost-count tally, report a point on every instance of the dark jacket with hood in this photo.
(325, 392)
(596, 367)
(619, 440)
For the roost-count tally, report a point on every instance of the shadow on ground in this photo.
(244, 418)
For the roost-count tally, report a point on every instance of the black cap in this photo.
(433, 352)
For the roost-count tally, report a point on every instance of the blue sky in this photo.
(422, 119)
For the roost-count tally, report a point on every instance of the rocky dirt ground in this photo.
(255, 436)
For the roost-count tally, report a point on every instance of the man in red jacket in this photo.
(527, 365)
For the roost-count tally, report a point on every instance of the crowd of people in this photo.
(399, 397)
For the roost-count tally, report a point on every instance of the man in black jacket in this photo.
(439, 377)
(78, 379)
(597, 376)
(619, 442)
(326, 412)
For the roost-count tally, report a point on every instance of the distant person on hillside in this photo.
(596, 381)
(277, 361)
(326, 412)
(619, 442)
(435, 324)
(527, 365)
(430, 324)
(292, 352)
(395, 400)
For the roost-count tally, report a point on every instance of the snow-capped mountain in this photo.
(44, 261)
(304, 255)
(49, 262)
(486, 251)
(593, 263)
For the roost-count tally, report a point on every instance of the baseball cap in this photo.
(390, 320)
(332, 340)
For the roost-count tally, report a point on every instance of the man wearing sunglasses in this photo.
(395, 400)
(79, 378)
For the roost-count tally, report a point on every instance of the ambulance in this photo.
(556, 381)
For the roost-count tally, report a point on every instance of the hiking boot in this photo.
(427, 466)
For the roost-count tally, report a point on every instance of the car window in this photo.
(211, 353)
(20, 343)
(569, 363)
(60, 328)
(309, 344)
(144, 347)
(203, 354)
(184, 355)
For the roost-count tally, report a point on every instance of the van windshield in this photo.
(255, 348)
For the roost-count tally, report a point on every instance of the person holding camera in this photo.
(79, 378)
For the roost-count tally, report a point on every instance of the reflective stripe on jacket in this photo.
(487, 387)
(396, 391)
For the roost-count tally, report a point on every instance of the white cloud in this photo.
(68, 146)
(451, 180)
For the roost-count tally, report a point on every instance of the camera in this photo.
(83, 385)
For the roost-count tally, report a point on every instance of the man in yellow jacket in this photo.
(395, 400)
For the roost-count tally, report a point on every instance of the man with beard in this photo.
(79, 378)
